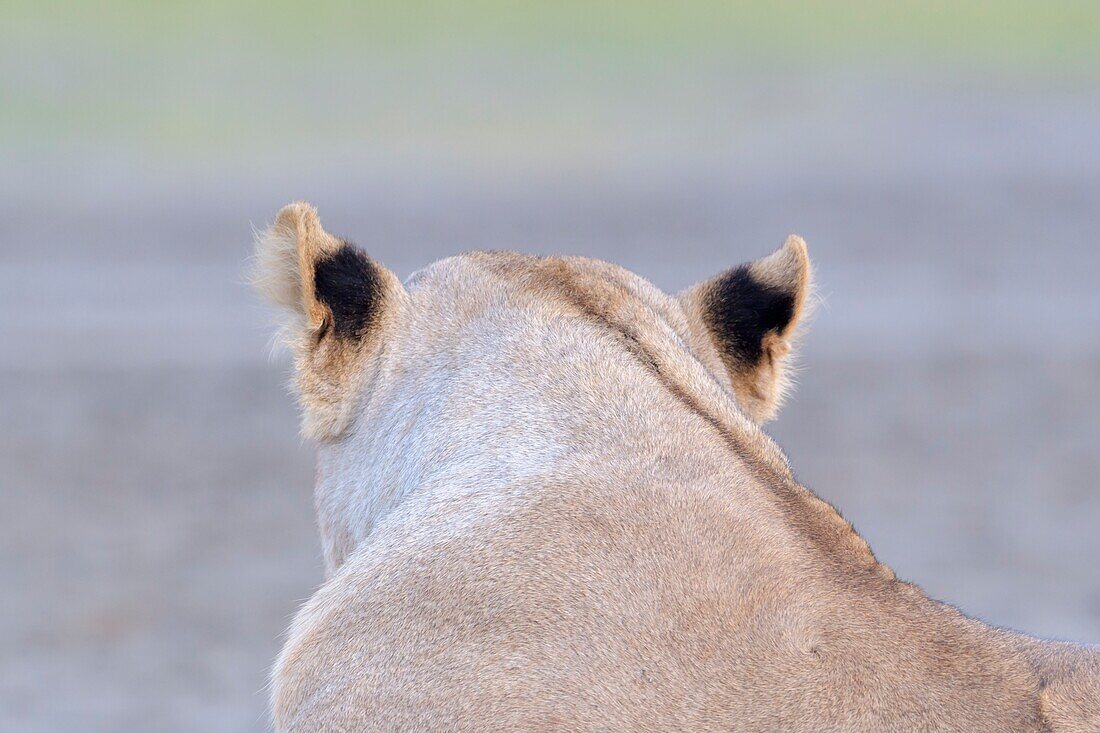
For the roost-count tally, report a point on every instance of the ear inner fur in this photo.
(348, 283)
(741, 311)
(339, 299)
(748, 317)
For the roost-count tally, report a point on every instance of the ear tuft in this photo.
(276, 273)
(340, 299)
(750, 315)
(287, 255)
(787, 269)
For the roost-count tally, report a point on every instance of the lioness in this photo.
(546, 504)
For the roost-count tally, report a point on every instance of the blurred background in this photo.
(942, 159)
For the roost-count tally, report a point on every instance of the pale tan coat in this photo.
(546, 505)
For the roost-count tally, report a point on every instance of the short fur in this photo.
(546, 504)
(337, 298)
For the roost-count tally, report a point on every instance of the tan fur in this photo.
(329, 372)
(549, 506)
(761, 388)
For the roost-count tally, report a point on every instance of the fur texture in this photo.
(546, 504)
(339, 304)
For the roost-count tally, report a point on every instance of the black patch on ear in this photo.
(740, 311)
(348, 283)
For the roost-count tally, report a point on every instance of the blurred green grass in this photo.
(996, 31)
(212, 76)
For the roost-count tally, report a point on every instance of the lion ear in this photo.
(750, 315)
(339, 300)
